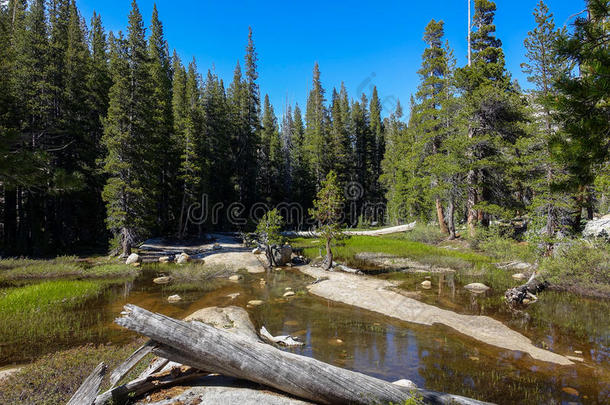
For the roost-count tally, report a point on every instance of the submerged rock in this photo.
(162, 280)
(426, 284)
(133, 258)
(174, 298)
(256, 303)
(476, 287)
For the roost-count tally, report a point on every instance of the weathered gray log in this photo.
(533, 286)
(86, 393)
(154, 366)
(139, 386)
(125, 367)
(207, 348)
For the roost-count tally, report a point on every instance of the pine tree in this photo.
(270, 156)
(378, 147)
(544, 67)
(340, 144)
(304, 189)
(582, 103)
(316, 138)
(162, 164)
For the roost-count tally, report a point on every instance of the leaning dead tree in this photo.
(197, 349)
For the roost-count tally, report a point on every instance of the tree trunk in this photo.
(441, 217)
(217, 351)
(126, 242)
(329, 255)
(450, 219)
(472, 200)
(87, 392)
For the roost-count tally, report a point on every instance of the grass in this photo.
(398, 245)
(63, 267)
(195, 276)
(54, 378)
(43, 316)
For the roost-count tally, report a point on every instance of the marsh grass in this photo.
(47, 315)
(54, 378)
(346, 249)
(63, 267)
(196, 276)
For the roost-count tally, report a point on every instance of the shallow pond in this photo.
(433, 357)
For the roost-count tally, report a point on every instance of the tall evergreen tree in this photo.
(377, 148)
(316, 138)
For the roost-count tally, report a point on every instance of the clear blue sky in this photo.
(362, 43)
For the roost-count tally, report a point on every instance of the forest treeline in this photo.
(109, 136)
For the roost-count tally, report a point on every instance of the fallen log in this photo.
(125, 367)
(285, 340)
(139, 386)
(528, 291)
(206, 348)
(86, 393)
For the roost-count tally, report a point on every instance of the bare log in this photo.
(139, 386)
(207, 348)
(528, 290)
(156, 365)
(125, 367)
(86, 393)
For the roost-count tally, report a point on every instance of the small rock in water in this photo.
(288, 294)
(406, 383)
(519, 276)
(174, 298)
(426, 284)
(574, 358)
(476, 287)
(570, 391)
(578, 351)
(233, 296)
(287, 288)
(162, 280)
(133, 258)
(235, 277)
(255, 303)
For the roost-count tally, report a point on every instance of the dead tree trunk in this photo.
(86, 393)
(441, 217)
(207, 348)
(528, 291)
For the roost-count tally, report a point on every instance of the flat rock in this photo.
(288, 294)
(233, 295)
(162, 280)
(575, 358)
(477, 287)
(256, 303)
(232, 319)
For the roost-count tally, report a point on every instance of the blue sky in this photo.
(362, 43)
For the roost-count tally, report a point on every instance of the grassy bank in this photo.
(54, 378)
(577, 266)
(63, 267)
(195, 276)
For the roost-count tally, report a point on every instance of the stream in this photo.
(434, 357)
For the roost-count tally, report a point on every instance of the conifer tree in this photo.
(316, 122)
(340, 145)
(300, 169)
(270, 156)
(377, 147)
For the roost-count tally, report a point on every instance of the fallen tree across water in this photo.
(196, 346)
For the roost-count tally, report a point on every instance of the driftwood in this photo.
(139, 386)
(285, 340)
(528, 291)
(206, 348)
(86, 393)
(125, 367)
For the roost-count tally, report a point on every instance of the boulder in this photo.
(231, 319)
(406, 383)
(183, 258)
(426, 284)
(598, 228)
(162, 280)
(174, 298)
(476, 287)
(133, 258)
(282, 254)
